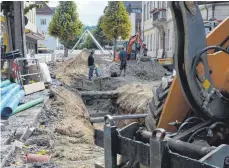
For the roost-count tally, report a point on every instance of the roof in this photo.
(46, 10)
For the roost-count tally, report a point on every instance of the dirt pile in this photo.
(146, 71)
(73, 68)
(64, 133)
(74, 144)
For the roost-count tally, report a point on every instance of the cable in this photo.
(206, 49)
(187, 122)
(183, 125)
(218, 123)
(198, 57)
(192, 118)
(195, 133)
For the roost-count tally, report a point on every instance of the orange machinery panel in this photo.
(175, 107)
(216, 36)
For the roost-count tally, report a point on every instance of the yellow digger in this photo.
(187, 124)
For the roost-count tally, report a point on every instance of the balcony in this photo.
(159, 16)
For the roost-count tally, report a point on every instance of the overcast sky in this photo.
(89, 10)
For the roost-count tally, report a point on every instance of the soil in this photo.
(65, 132)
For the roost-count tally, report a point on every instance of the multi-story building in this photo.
(157, 24)
(44, 16)
(158, 27)
(31, 31)
(134, 8)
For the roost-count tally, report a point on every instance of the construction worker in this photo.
(123, 61)
(91, 65)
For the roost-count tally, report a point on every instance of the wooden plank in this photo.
(34, 87)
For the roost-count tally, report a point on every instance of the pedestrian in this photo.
(123, 58)
(91, 65)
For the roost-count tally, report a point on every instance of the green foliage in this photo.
(99, 36)
(65, 23)
(31, 6)
(116, 22)
(7, 7)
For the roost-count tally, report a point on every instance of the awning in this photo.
(36, 36)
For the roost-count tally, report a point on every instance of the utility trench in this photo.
(65, 132)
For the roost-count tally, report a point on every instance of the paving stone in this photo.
(28, 132)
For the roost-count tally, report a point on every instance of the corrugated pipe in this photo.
(28, 105)
(8, 96)
(12, 104)
(5, 89)
(4, 83)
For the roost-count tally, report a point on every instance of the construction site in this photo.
(56, 114)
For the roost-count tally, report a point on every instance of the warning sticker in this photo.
(206, 84)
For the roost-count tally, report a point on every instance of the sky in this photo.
(89, 10)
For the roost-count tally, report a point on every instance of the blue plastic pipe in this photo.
(5, 89)
(4, 83)
(12, 104)
(8, 96)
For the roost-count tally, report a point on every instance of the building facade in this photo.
(134, 8)
(31, 31)
(158, 31)
(158, 27)
(44, 16)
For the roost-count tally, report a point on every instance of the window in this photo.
(151, 7)
(43, 21)
(136, 10)
(148, 13)
(163, 5)
(151, 41)
(154, 42)
(168, 40)
(144, 11)
(148, 42)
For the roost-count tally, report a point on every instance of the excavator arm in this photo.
(132, 41)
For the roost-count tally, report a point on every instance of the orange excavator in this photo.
(140, 51)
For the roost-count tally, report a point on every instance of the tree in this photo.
(99, 35)
(116, 22)
(65, 23)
